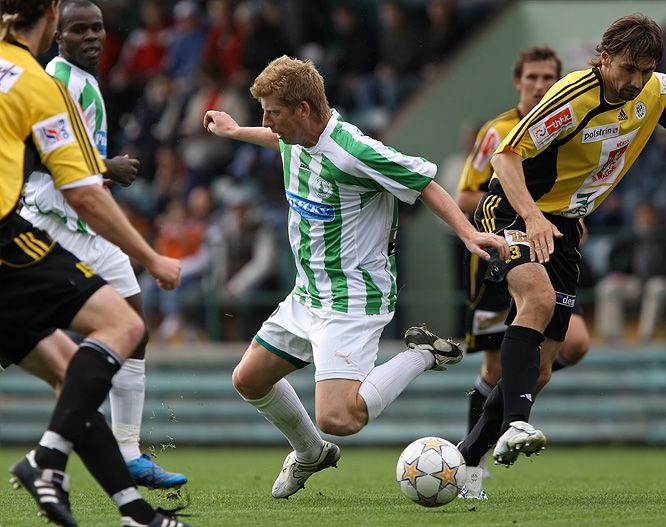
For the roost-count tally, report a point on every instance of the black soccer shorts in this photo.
(495, 214)
(38, 297)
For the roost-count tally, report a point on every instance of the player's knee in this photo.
(542, 305)
(340, 423)
(575, 348)
(247, 385)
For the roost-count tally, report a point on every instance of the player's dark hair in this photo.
(66, 5)
(20, 15)
(536, 54)
(636, 35)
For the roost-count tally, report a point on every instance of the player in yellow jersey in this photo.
(535, 70)
(556, 166)
(43, 287)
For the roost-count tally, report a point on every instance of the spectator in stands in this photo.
(183, 54)
(224, 44)
(400, 54)
(637, 274)
(352, 86)
(443, 32)
(204, 156)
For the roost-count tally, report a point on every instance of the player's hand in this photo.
(166, 272)
(220, 123)
(476, 243)
(541, 234)
(122, 169)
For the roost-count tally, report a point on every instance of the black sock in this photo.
(87, 384)
(51, 458)
(520, 357)
(476, 400)
(487, 430)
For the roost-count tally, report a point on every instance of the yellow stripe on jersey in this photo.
(489, 207)
(79, 130)
(561, 97)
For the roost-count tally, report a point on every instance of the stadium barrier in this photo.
(613, 396)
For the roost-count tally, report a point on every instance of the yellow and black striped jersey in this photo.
(477, 171)
(576, 146)
(37, 111)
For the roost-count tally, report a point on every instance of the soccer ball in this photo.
(431, 471)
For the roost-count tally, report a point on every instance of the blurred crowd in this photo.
(219, 205)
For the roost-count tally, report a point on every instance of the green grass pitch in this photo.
(565, 487)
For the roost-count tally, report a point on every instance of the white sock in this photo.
(384, 383)
(282, 407)
(55, 441)
(128, 390)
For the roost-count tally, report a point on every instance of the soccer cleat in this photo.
(146, 472)
(444, 351)
(48, 487)
(473, 487)
(160, 520)
(520, 438)
(294, 473)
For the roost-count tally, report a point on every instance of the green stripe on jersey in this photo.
(333, 258)
(366, 154)
(373, 303)
(62, 72)
(91, 96)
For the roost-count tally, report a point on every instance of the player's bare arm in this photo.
(541, 233)
(122, 169)
(97, 208)
(468, 200)
(223, 125)
(442, 204)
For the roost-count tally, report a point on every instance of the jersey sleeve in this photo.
(61, 138)
(478, 170)
(383, 167)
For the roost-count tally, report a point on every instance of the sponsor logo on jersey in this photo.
(615, 158)
(100, 142)
(303, 166)
(9, 74)
(622, 116)
(514, 237)
(552, 125)
(565, 300)
(310, 210)
(598, 133)
(322, 188)
(53, 133)
(641, 110)
(490, 143)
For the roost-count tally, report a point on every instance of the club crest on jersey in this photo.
(552, 125)
(640, 109)
(53, 133)
(310, 210)
(322, 188)
(9, 74)
(599, 133)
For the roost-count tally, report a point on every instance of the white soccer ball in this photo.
(431, 471)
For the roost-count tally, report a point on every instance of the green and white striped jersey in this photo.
(343, 217)
(40, 195)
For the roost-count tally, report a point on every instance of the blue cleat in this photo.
(149, 474)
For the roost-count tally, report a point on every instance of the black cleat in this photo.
(48, 487)
(444, 351)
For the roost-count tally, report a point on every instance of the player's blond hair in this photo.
(637, 35)
(17, 15)
(293, 81)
